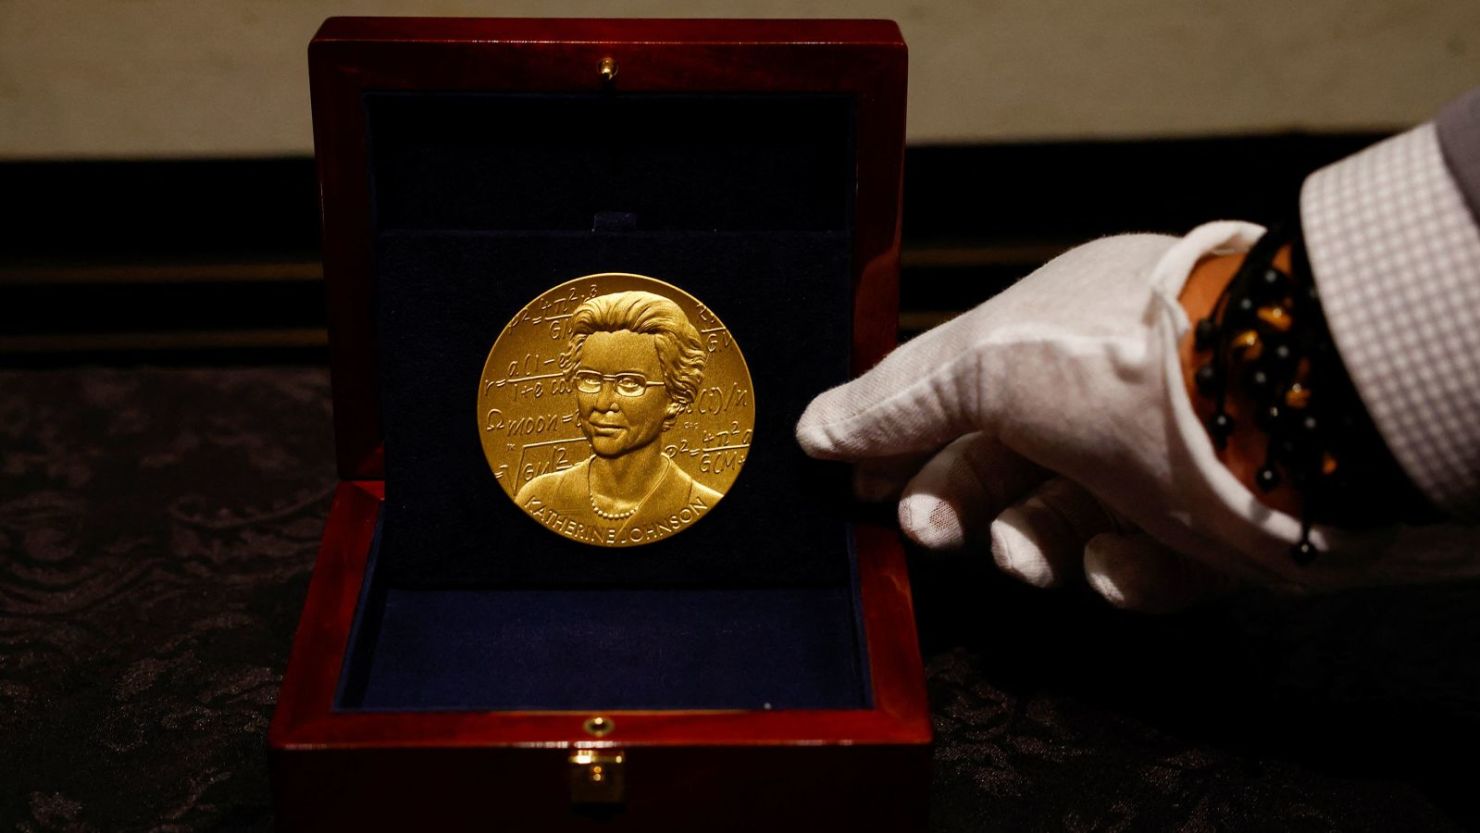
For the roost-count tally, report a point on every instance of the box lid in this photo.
(351, 58)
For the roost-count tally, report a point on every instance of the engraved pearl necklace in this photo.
(611, 516)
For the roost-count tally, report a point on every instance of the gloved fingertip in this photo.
(931, 522)
(813, 440)
(1104, 584)
(1017, 554)
(814, 443)
(816, 430)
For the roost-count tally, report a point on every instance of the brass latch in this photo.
(597, 776)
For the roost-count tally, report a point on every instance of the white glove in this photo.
(1070, 443)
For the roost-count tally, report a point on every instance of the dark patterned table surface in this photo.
(157, 529)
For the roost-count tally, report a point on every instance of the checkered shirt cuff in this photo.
(1396, 258)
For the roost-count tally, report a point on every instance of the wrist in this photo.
(1244, 451)
(1263, 371)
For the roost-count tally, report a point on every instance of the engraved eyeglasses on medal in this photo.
(630, 385)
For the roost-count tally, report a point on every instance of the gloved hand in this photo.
(1071, 449)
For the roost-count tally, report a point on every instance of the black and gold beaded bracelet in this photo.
(1268, 335)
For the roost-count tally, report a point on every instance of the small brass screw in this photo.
(608, 69)
(599, 726)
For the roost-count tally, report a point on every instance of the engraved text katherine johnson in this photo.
(657, 412)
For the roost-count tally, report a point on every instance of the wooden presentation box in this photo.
(458, 667)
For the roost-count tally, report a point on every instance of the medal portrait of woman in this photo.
(634, 363)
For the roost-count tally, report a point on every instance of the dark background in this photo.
(165, 437)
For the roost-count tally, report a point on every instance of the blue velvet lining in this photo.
(543, 162)
(598, 649)
(481, 202)
(444, 297)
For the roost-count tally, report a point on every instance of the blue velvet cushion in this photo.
(610, 648)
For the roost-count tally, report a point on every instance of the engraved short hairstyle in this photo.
(680, 350)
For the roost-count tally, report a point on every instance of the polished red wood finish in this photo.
(859, 769)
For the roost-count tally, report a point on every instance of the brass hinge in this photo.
(597, 776)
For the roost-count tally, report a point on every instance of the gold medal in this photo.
(615, 410)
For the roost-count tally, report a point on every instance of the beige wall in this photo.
(132, 78)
